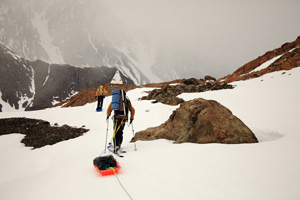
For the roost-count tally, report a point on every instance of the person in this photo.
(100, 94)
(120, 117)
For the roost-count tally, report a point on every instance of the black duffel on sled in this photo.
(106, 165)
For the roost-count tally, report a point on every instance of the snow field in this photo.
(159, 169)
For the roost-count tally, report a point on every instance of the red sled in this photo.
(106, 165)
(110, 171)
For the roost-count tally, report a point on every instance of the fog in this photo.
(188, 38)
(223, 34)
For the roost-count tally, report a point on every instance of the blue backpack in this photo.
(115, 100)
(119, 103)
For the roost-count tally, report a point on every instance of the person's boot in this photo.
(117, 149)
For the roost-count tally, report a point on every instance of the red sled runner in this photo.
(106, 165)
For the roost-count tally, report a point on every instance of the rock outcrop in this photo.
(168, 93)
(289, 58)
(39, 133)
(200, 121)
(88, 95)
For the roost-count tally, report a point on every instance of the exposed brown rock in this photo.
(290, 59)
(168, 93)
(209, 78)
(193, 81)
(200, 121)
(88, 95)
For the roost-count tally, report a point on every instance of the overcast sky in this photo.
(226, 34)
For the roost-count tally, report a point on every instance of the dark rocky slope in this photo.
(39, 133)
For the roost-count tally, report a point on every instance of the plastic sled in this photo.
(106, 165)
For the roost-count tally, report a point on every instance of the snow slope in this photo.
(268, 170)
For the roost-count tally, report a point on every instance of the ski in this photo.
(116, 153)
(111, 148)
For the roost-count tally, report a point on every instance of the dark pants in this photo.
(119, 125)
(100, 102)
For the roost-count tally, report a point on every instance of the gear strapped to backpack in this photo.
(120, 103)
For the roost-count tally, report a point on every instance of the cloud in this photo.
(223, 34)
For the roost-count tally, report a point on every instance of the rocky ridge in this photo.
(288, 58)
(26, 85)
(168, 93)
(88, 95)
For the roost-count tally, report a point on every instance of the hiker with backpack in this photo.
(100, 95)
(121, 106)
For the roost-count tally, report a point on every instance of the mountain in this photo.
(285, 57)
(85, 33)
(26, 85)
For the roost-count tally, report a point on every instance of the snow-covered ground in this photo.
(268, 170)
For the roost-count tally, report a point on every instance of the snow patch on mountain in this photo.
(32, 89)
(47, 77)
(265, 64)
(145, 57)
(16, 57)
(40, 23)
(91, 42)
(4, 106)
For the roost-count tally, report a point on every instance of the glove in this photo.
(130, 121)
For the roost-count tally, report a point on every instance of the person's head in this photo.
(101, 86)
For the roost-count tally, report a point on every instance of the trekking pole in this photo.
(106, 135)
(133, 136)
